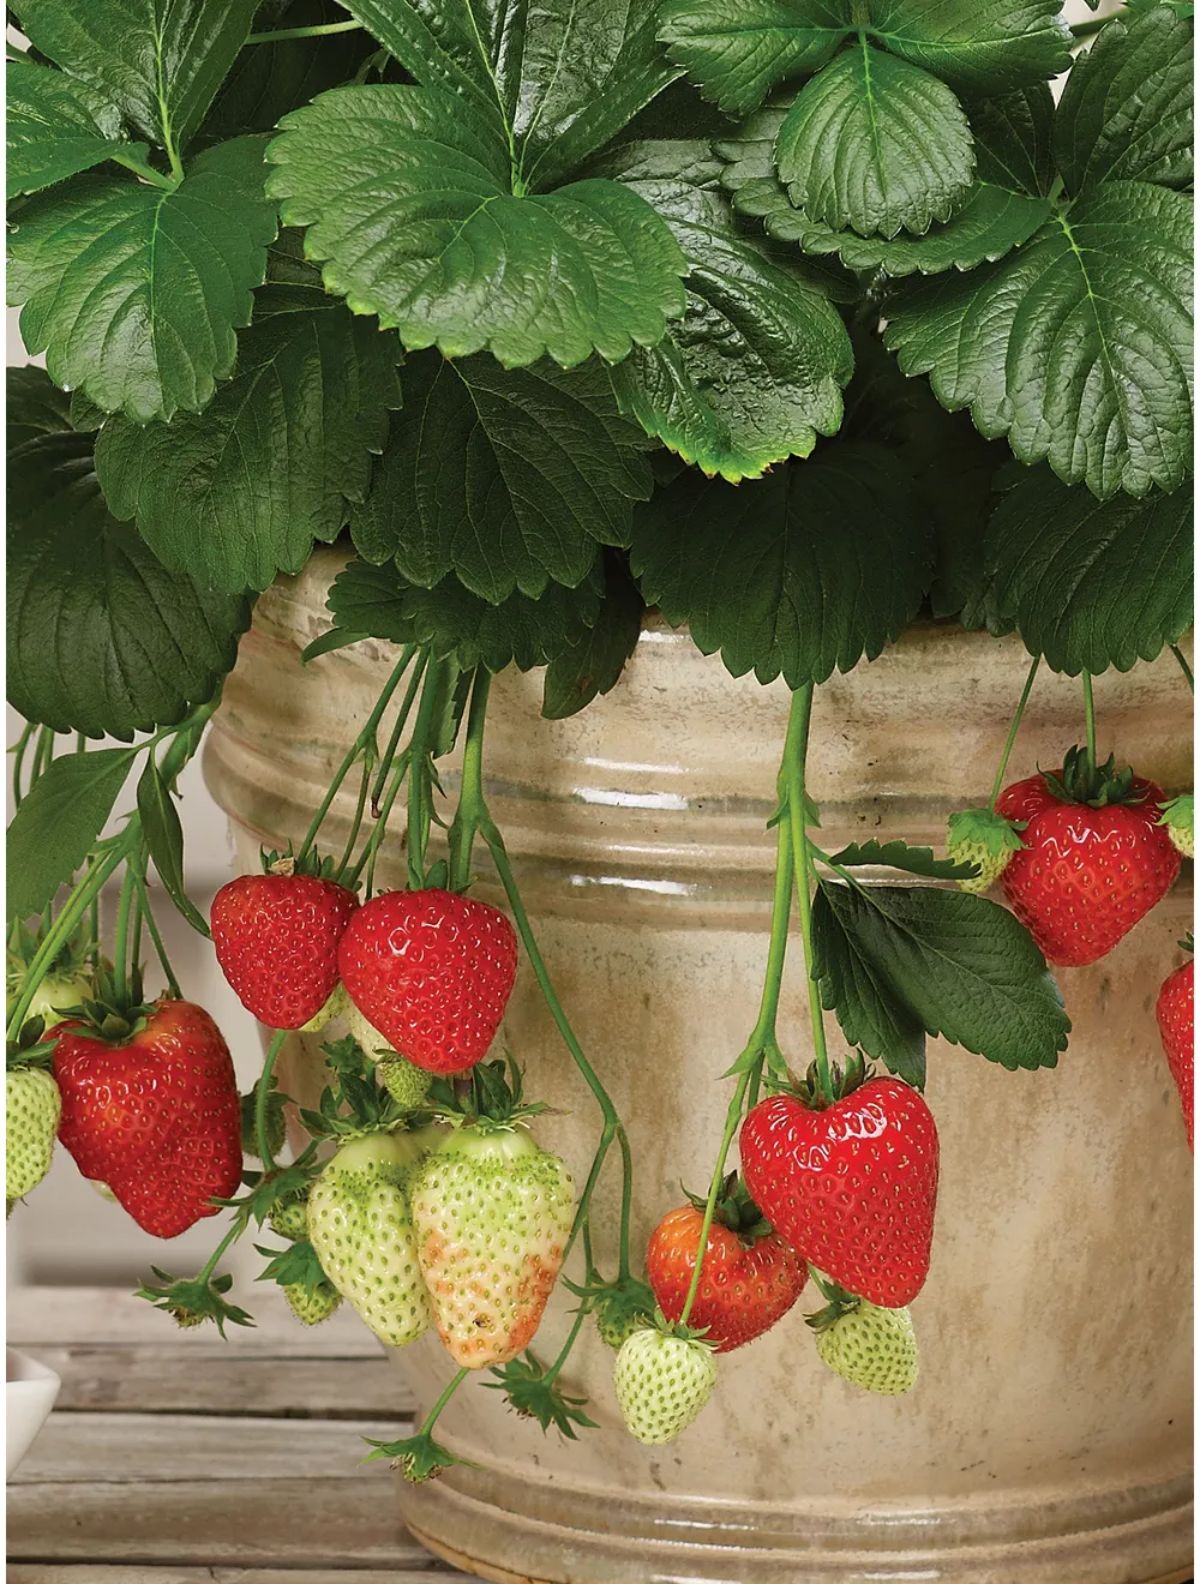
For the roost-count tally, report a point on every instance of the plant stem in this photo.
(565, 1351)
(365, 738)
(470, 798)
(795, 754)
(420, 808)
(18, 753)
(1012, 732)
(262, 1094)
(401, 721)
(316, 30)
(364, 782)
(121, 933)
(236, 1228)
(147, 172)
(435, 1413)
(1184, 667)
(1083, 30)
(60, 931)
(160, 949)
(367, 856)
(1089, 716)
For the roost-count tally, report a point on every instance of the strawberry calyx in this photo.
(30, 1049)
(286, 864)
(418, 1457)
(843, 1081)
(983, 828)
(621, 1305)
(190, 1301)
(115, 1012)
(736, 1210)
(838, 1302)
(534, 1392)
(488, 1099)
(296, 1265)
(266, 1190)
(1093, 785)
(354, 1103)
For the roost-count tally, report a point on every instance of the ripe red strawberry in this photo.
(750, 1277)
(154, 1114)
(1094, 858)
(852, 1187)
(432, 971)
(1175, 1013)
(277, 938)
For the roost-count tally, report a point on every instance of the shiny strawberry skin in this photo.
(744, 1288)
(432, 971)
(1175, 1012)
(276, 938)
(1085, 876)
(852, 1189)
(156, 1117)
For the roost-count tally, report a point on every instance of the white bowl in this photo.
(29, 1393)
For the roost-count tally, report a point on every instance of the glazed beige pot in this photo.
(1048, 1440)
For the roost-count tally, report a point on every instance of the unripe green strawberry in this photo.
(1178, 817)
(311, 1305)
(492, 1212)
(289, 1218)
(335, 1007)
(360, 1226)
(982, 837)
(662, 1382)
(32, 1110)
(407, 1083)
(872, 1348)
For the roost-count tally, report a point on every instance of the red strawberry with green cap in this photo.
(150, 1106)
(276, 937)
(432, 971)
(749, 1278)
(1175, 1012)
(1094, 859)
(850, 1185)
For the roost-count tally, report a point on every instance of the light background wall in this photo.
(66, 1233)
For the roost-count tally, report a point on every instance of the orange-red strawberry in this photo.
(154, 1114)
(1175, 1013)
(851, 1187)
(749, 1279)
(276, 937)
(432, 971)
(1094, 858)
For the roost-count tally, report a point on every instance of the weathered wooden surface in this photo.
(175, 1458)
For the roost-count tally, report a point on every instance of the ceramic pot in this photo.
(1049, 1438)
(30, 1391)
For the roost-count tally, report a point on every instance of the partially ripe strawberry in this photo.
(1175, 1012)
(276, 938)
(432, 971)
(748, 1281)
(155, 1114)
(32, 1109)
(875, 1349)
(662, 1382)
(1088, 871)
(851, 1187)
(361, 1230)
(492, 1212)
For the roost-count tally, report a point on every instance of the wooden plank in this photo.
(147, 1449)
(40, 1317)
(232, 1383)
(433, 1572)
(314, 1523)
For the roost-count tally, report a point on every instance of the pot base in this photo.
(1052, 1538)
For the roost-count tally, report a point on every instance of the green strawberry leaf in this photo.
(1126, 111)
(159, 62)
(58, 127)
(239, 492)
(954, 965)
(507, 478)
(59, 822)
(1073, 346)
(737, 50)
(753, 371)
(163, 831)
(427, 229)
(376, 601)
(821, 563)
(133, 291)
(899, 855)
(295, 1265)
(870, 1014)
(1091, 584)
(35, 405)
(102, 639)
(875, 145)
(593, 663)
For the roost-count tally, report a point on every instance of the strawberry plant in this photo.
(797, 321)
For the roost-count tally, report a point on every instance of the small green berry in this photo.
(872, 1348)
(662, 1382)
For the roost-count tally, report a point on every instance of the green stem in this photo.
(795, 755)
(19, 750)
(401, 721)
(1083, 30)
(237, 1227)
(365, 739)
(1184, 667)
(44, 754)
(420, 805)
(360, 805)
(1089, 716)
(121, 934)
(156, 939)
(732, 1117)
(147, 172)
(565, 1351)
(316, 30)
(370, 851)
(1014, 727)
(470, 799)
(262, 1095)
(435, 1413)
